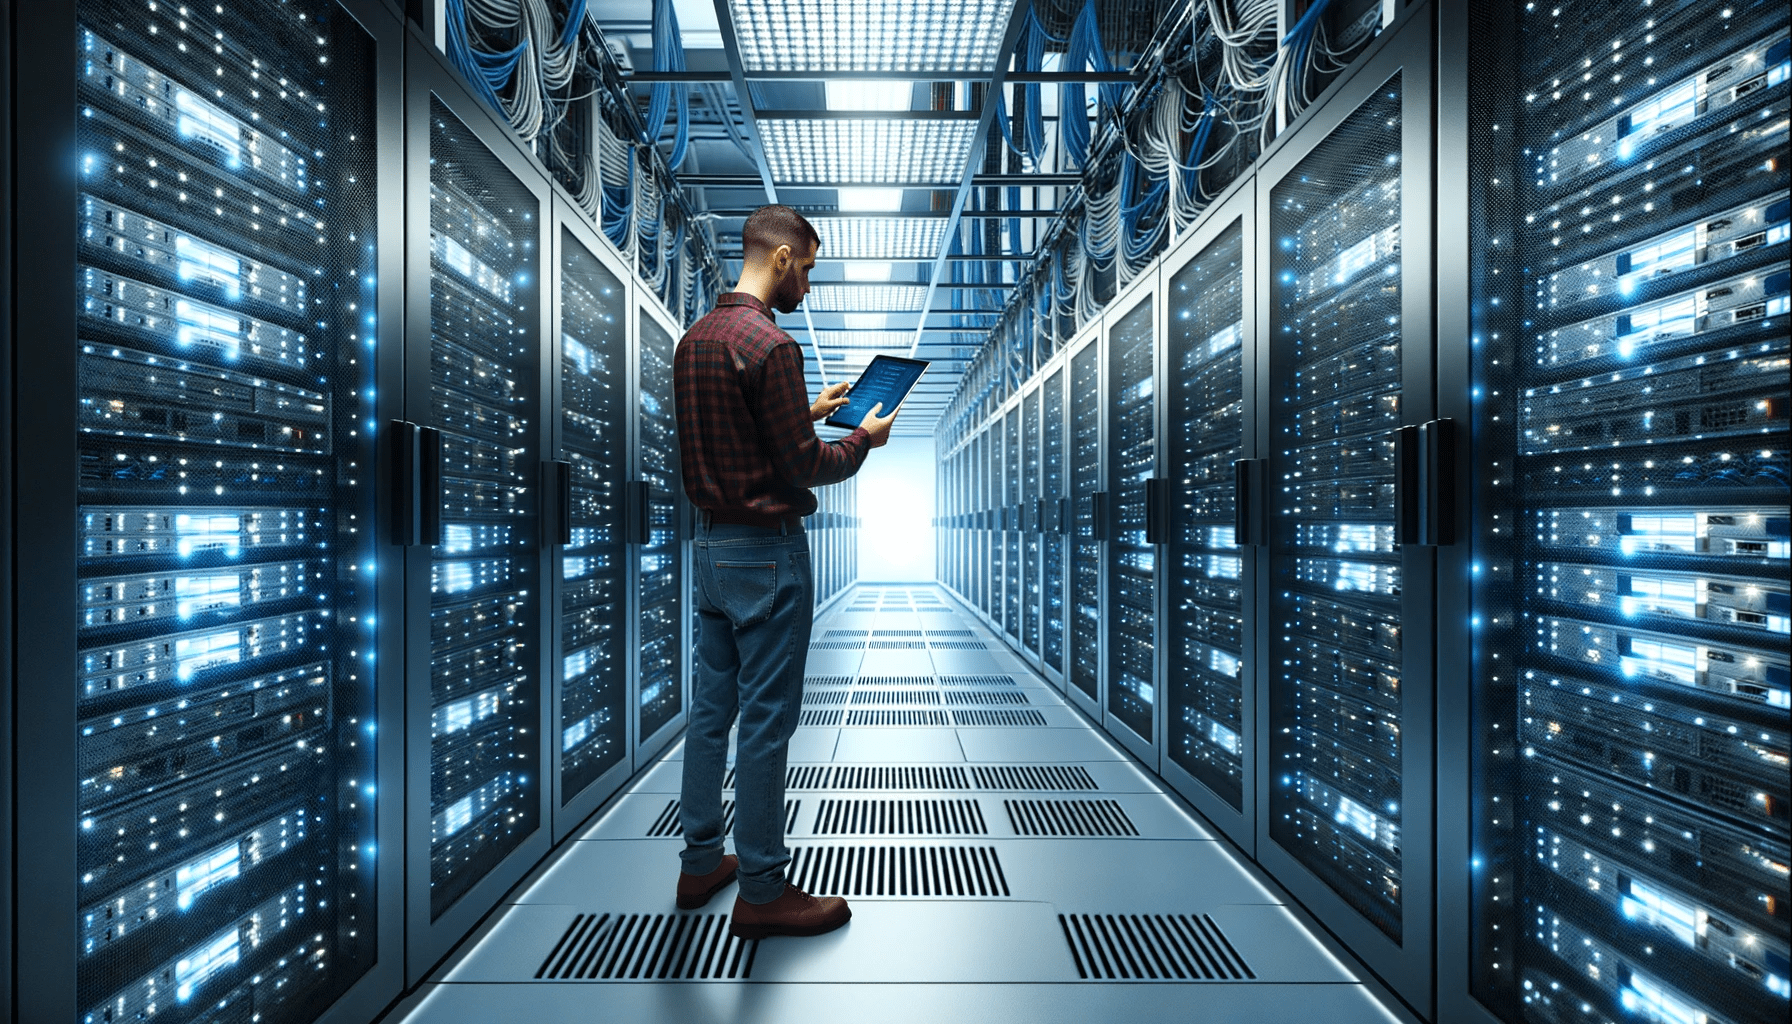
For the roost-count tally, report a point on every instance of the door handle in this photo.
(429, 461)
(635, 505)
(1437, 482)
(1157, 510)
(1248, 523)
(407, 497)
(1063, 526)
(1406, 485)
(556, 485)
(1098, 514)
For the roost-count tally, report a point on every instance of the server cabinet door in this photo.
(1009, 498)
(660, 640)
(1346, 211)
(1211, 655)
(1086, 504)
(1130, 617)
(590, 739)
(201, 265)
(475, 379)
(1053, 492)
(1030, 525)
(1625, 789)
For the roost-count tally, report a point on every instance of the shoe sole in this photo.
(766, 931)
(693, 902)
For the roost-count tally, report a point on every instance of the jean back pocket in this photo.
(745, 591)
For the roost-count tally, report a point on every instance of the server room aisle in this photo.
(1004, 862)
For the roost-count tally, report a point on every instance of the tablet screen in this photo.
(887, 380)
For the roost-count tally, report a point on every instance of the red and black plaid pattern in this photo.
(748, 445)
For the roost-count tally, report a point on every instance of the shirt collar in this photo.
(744, 299)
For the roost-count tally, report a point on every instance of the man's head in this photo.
(780, 248)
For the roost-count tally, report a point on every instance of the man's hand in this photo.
(832, 397)
(878, 426)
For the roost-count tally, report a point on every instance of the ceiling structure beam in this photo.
(648, 77)
(982, 181)
(1004, 56)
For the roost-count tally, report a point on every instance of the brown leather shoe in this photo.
(794, 913)
(695, 890)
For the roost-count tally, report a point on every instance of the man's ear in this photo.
(781, 258)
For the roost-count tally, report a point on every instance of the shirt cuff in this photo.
(861, 437)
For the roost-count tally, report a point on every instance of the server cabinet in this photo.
(477, 637)
(210, 349)
(1345, 208)
(1619, 322)
(1054, 496)
(1031, 523)
(1008, 514)
(657, 512)
(590, 737)
(1134, 508)
(1089, 520)
(988, 547)
(1211, 618)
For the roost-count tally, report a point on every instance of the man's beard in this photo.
(788, 295)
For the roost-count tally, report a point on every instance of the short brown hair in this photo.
(772, 226)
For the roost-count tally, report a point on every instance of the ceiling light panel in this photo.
(831, 342)
(870, 35)
(851, 299)
(801, 150)
(880, 238)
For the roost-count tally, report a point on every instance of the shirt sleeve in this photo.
(798, 456)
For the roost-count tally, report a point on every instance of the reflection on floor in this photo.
(1004, 862)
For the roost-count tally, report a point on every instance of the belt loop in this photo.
(783, 526)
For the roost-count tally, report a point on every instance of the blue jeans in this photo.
(755, 606)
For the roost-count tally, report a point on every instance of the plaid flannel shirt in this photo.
(747, 444)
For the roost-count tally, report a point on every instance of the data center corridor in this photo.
(1004, 863)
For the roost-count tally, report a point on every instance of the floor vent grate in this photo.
(1002, 717)
(900, 818)
(1151, 947)
(895, 632)
(1033, 776)
(827, 681)
(897, 645)
(1068, 818)
(897, 777)
(667, 824)
(819, 717)
(648, 947)
(825, 698)
(950, 632)
(960, 645)
(897, 681)
(897, 871)
(977, 681)
(988, 697)
(837, 645)
(896, 718)
(895, 697)
(838, 634)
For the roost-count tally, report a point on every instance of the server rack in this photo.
(1134, 531)
(1054, 494)
(476, 383)
(201, 542)
(1617, 322)
(1031, 524)
(657, 511)
(1345, 206)
(587, 485)
(1212, 597)
(1089, 520)
(1010, 520)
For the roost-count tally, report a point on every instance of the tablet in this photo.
(888, 380)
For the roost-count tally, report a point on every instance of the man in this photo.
(746, 433)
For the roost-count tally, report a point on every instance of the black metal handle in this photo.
(556, 485)
(1248, 522)
(1039, 515)
(401, 438)
(1098, 514)
(429, 461)
(1406, 485)
(1063, 525)
(1157, 510)
(635, 496)
(1437, 482)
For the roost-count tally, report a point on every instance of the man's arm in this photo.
(782, 414)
